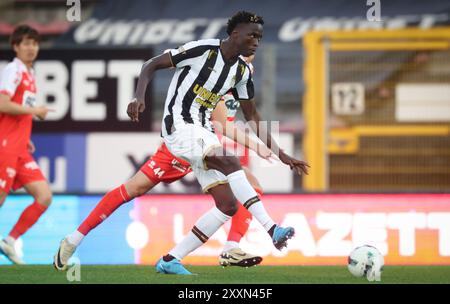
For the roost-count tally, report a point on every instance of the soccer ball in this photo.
(366, 261)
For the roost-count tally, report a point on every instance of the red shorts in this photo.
(165, 167)
(17, 171)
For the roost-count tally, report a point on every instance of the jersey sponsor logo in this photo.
(29, 99)
(205, 97)
(204, 103)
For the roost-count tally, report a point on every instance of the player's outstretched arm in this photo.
(229, 129)
(137, 105)
(12, 108)
(252, 116)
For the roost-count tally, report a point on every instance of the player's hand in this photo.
(134, 108)
(42, 111)
(31, 147)
(299, 165)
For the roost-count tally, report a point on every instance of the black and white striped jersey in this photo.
(201, 78)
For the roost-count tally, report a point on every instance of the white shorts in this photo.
(192, 143)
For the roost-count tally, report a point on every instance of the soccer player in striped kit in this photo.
(164, 167)
(205, 71)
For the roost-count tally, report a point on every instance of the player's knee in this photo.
(135, 190)
(229, 207)
(45, 198)
(231, 164)
(141, 190)
(138, 185)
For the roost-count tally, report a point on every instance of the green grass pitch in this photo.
(132, 274)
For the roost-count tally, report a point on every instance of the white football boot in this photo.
(9, 251)
(65, 252)
(237, 257)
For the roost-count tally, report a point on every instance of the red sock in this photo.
(27, 219)
(110, 202)
(240, 222)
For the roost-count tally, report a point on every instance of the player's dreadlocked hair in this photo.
(242, 17)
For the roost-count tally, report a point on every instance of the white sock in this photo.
(230, 245)
(75, 238)
(245, 194)
(203, 229)
(10, 240)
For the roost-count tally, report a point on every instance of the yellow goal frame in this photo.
(316, 47)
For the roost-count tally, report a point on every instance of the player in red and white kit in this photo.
(17, 107)
(164, 167)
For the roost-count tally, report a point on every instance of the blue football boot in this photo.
(281, 236)
(172, 267)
